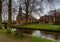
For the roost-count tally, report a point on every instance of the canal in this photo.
(47, 34)
(51, 35)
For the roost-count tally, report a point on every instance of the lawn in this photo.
(43, 26)
(38, 39)
(27, 38)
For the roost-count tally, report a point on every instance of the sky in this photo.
(45, 6)
(56, 6)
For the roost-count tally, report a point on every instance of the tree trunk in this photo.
(26, 20)
(0, 14)
(9, 13)
(55, 17)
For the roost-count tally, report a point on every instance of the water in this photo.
(47, 34)
(42, 34)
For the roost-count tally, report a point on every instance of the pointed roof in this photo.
(20, 11)
(20, 8)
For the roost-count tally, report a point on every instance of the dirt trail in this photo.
(7, 39)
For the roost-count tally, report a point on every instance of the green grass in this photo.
(37, 39)
(2, 31)
(43, 26)
(32, 38)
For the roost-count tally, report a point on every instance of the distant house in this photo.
(31, 19)
(20, 20)
(52, 17)
(46, 19)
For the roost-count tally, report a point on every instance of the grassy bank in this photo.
(37, 39)
(17, 38)
(43, 26)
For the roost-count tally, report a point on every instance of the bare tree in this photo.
(0, 13)
(52, 5)
(29, 8)
(9, 13)
(26, 3)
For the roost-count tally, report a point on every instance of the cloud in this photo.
(46, 7)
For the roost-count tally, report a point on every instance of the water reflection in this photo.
(47, 34)
(36, 33)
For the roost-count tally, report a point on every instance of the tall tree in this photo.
(26, 3)
(0, 13)
(51, 2)
(9, 13)
(29, 8)
(55, 17)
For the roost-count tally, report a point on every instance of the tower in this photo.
(20, 11)
(19, 16)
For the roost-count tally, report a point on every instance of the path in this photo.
(7, 39)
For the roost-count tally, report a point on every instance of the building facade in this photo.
(52, 17)
(20, 20)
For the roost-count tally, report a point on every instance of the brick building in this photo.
(46, 19)
(20, 20)
(52, 17)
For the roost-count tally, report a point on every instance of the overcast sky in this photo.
(45, 6)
